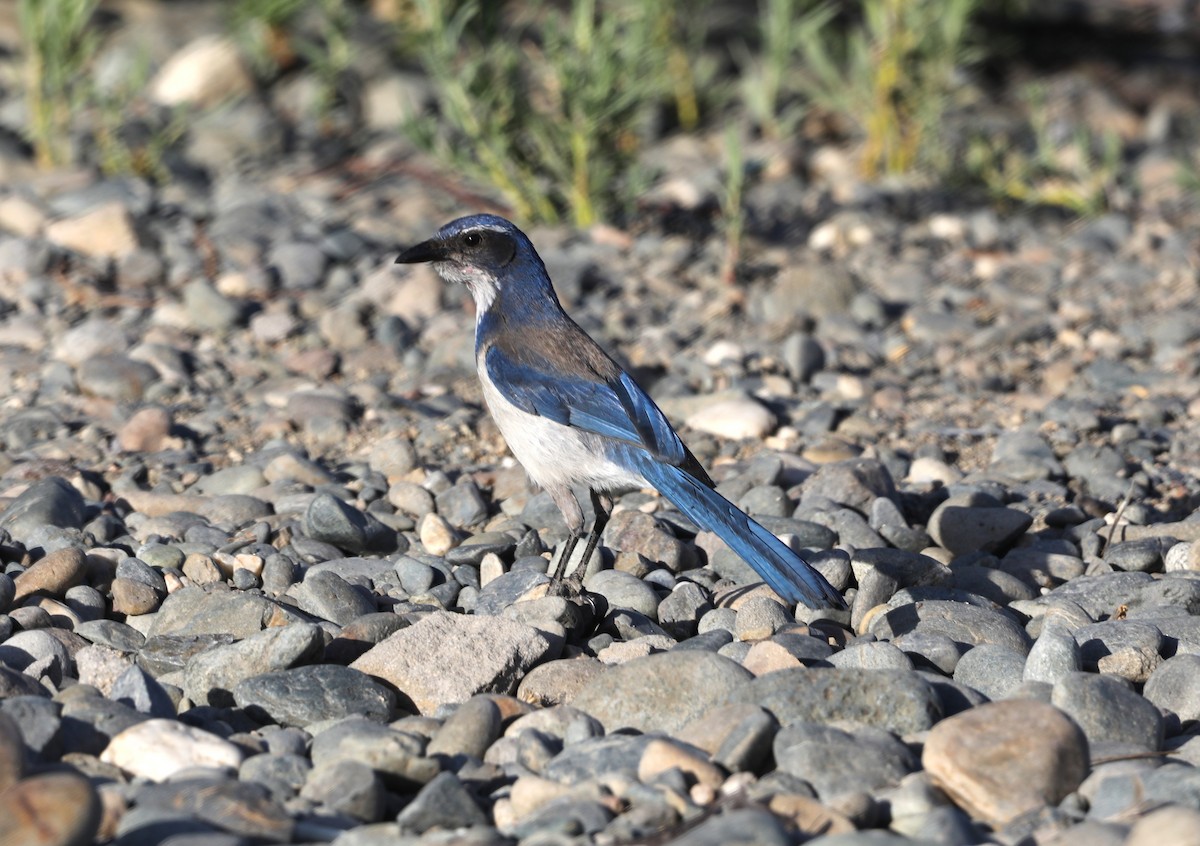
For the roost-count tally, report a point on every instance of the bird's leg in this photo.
(560, 566)
(602, 505)
(572, 514)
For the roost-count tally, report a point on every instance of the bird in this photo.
(574, 418)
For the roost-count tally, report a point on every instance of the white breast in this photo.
(552, 454)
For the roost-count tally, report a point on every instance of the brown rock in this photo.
(1003, 759)
(661, 755)
(55, 574)
(56, 809)
(809, 815)
(131, 597)
(147, 430)
(103, 232)
(12, 752)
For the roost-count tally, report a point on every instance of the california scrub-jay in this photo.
(573, 417)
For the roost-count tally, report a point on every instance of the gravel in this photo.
(267, 573)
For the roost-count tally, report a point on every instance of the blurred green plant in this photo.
(59, 48)
(274, 33)
(733, 210)
(770, 84)
(1047, 165)
(552, 106)
(892, 77)
(133, 147)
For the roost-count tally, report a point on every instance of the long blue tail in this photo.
(787, 573)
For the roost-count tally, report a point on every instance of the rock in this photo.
(966, 624)
(992, 669)
(661, 692)
(836, 762)
(325, 594)
(469, 731)
(12, 755)
(211, 675)
(53, 809)
(55, 574)
(206, 71)
(736, 419)
(51, 501)
(960, 526)
(738, 737)
(447, 658)
(1175, 687)
(347, 787)
(240, 808)
(1174, 824)
(442, 803)
(1004, 759)
(157, 749)
(395, 755)
(743, 827)
(105, 231)
(624, 590)
(661, 756)
(330, 520)
(197, 611)
(300, 696)
(895, 700)
(1053, 655)
(556, 682)
(1108, 711)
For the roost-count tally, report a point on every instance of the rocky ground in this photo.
(269, 575)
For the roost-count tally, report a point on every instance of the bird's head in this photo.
(485, 252)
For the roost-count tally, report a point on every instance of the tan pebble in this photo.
(1003, 759)
(490, 568)
(63, 615)
(148, 430)
(622, 651)
(864, 625)
(738, 595)
(436, 535)
(736, 419)
(1176, 825)
(809, 815)
(55, 574)
(204, 72)
(766, 656)
(201, 569)
(662, 755)
(105, 231)
(530, 792)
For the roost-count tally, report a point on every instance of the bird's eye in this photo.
(472, 239)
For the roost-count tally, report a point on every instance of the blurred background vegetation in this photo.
(553, 106)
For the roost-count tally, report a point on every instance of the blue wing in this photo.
(614, 408)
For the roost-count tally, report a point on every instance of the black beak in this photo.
(431, 250)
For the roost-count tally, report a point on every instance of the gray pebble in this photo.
(992, 669)
(1175, 687)
(837, 762)
(305, 695)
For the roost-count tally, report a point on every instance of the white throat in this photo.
(482, 285)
